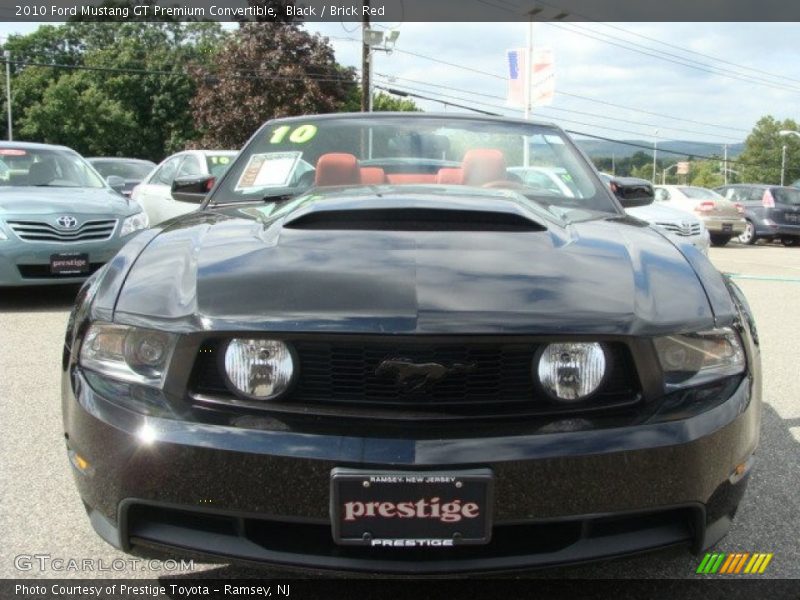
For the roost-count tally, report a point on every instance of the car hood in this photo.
(658, 213)
(42, 201)
(317, 265)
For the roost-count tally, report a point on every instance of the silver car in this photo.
(671, 220)
(59, 219)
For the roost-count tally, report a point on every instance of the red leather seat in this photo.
(450, 176)
(337, 168)
(372, 175)
(482, 165)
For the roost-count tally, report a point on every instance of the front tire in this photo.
(748, 236)
(790, 241)
(720, 240)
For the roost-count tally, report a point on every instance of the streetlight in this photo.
(664, 173)
(784, 133)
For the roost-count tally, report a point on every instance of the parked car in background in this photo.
(672, 220)
(155, 192)
(554, 179)
(59, 220)
(131, 170)
(723, 219)
(772, 211)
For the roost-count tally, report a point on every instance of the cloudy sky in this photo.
(601, 65)
(691, 81)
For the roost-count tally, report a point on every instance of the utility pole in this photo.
(528, 67)
(655, 154)
(366, 63)
(7, 55)
(725, 164)
(783, 164)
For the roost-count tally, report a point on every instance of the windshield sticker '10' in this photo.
(220, 160)
(299, 135)
(270, 169)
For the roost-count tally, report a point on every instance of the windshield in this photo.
(786, 196)
(45, 167)
(218, 163)
(127, 169)
(698, 193)
(288, 157)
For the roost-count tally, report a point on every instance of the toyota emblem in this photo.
(67, 222)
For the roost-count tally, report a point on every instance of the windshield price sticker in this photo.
(270, 169)
(220, 160)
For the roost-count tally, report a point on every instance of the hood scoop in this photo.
(413, 219)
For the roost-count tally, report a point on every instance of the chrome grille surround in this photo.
(96, 230)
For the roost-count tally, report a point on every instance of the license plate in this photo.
(69, 264)
(727, 227)
(404, 509)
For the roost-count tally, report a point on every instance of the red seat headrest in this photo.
(483, 165)
(373, 175)
(337, 168)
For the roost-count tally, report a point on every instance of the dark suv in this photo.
(772, 212)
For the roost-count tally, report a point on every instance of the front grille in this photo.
(513, 545)
(683, 229)
(43, 272)
(39, 231)
(343, 373)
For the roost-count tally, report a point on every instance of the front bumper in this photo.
(28, 263)
(257, 492)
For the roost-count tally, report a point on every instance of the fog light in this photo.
(570, 372)
(258, 369)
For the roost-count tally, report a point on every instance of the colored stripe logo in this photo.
(734, 563)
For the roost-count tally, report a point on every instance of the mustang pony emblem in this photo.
(415, 376)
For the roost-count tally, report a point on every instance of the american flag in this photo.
(516, 86)
(542, 77)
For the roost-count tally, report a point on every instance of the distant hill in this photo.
(603, 149)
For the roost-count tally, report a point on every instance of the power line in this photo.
(414, 94)
(586, 98)
(675, 46)
(392, 78)
(647, 51)
(207, 73)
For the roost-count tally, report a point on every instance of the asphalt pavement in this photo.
(41, 514)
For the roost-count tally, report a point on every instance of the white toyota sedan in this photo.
(155, 192)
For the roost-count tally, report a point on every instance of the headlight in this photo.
(570, 372)
(258, 369)
(128, 353)
(134, 223)
(694, 358)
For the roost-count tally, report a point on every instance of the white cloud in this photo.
(603, 71)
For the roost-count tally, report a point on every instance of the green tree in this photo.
(60, 118)
(144, 70)
(264, 71)
(705, 173)
(381, 102)
(760, 162)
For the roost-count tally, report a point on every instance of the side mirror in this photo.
(116, 183)
(192, 189)
(632, 192)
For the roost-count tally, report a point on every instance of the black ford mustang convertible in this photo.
(378, 345)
